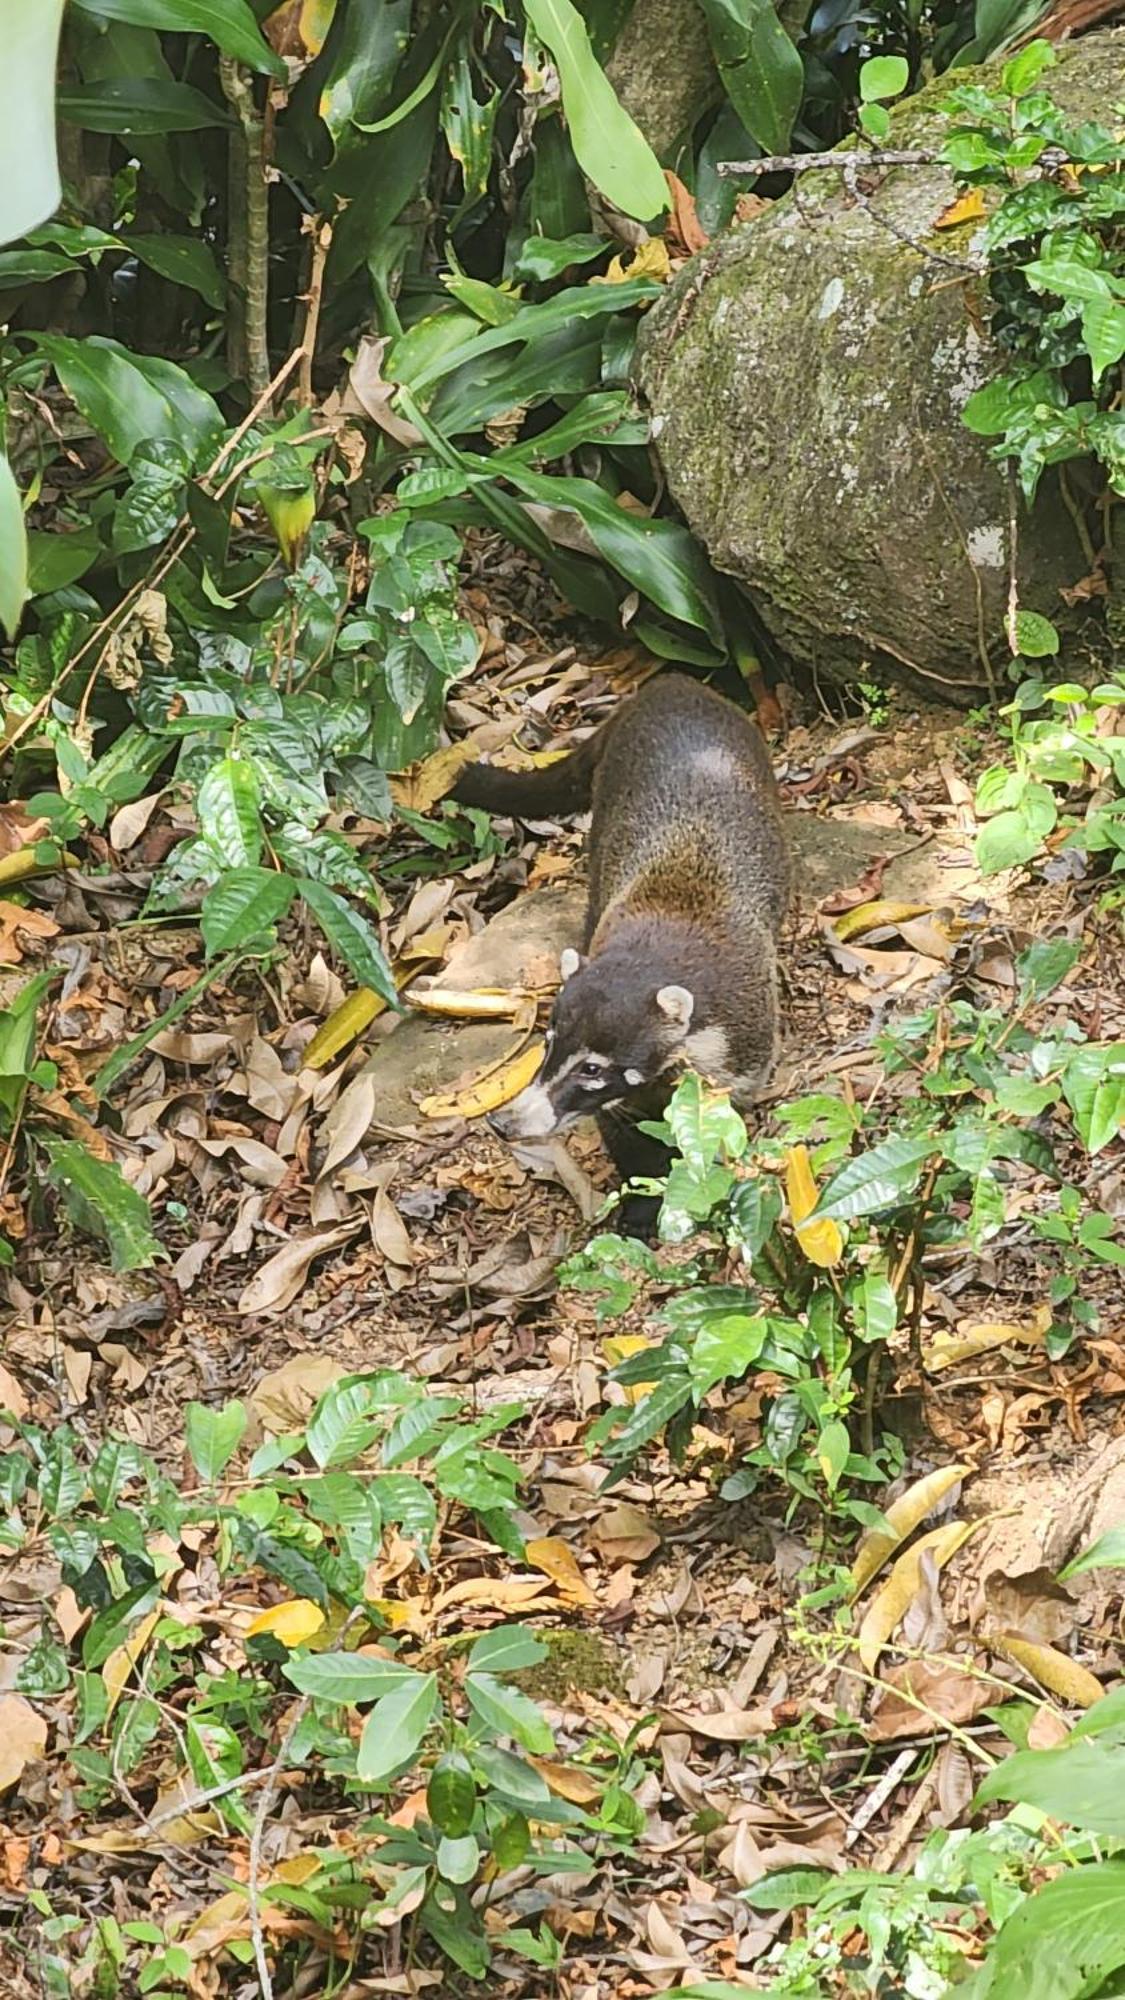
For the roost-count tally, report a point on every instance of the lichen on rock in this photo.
(807, 376)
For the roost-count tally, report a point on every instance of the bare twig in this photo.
(320, 234)
(254, 1871)
(1011, 622)
(804, 163)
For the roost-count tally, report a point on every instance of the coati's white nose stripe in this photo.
(531, 1115)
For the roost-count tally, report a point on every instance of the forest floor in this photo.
(322, 1224)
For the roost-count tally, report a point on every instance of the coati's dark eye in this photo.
(592, 1072)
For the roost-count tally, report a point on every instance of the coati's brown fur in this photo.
(689, 883)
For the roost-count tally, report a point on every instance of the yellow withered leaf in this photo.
(343, 1025)
(967, 208)
(118, 1669)
(650, 260)
(888, 1609)
(492, 1003)
(622, 1347)
(875, 916)
(821, 1241)
(903, 1516)
(974, 1337)
(292, 1622)
(557, 1560)
(1053, 1670)
(495, 1086)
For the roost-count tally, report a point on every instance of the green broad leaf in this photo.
(394, 1730)
(111, 1626)
(1036, 637)
(243, 906)
(213, 1437)
(882, 77)
(704, 1126)
(343, 1426)
(875, 121)
(138, 104)
(505, 1650)
(230, 24)
(352, 937)
(451, 1794)
(183, 260)
(100, 1200)
(761, 71)
(608, 146)
(1094, 1087)
(988, 410)
(658, 557)
(457, 1933)
(650, 1416)
(458, 1858)
(420, 369)
(30, 189)
(833, 1449)
(228, 806)
(1067, 278)
(349, 1677)
(367, 53)
(1103, 330)
(13, 552)
(132, 399)
(724, 1348)
(408, 1502)
(1044, 965)
(504, 1711)
(1026, 68)
(544, 258)
(1108, 1552)
(519, 1784)
(1009, 840)
(875, 1307)
(55, 560)
(349, 1505)
(878, 1179)
(1081, 1783)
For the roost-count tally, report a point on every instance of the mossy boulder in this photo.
(807, 376)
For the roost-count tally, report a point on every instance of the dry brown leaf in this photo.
(1053, 1670)
(973, 1337)
(557, 1560)
(903, 1516)
(277, 1284)
(129, 821)
(389, 1232)
(923, 1690)
(23, 1738)
(424, 784)
(624, 1535)
(889, 1607)
(118, 1669)
(494, 1592)
(725, 1725)
(264, 1167)
(568, 1781)
(12, 1397)
(348, 1123)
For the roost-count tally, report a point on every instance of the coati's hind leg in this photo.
(635, 1155)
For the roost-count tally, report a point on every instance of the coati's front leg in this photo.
(636, 1155)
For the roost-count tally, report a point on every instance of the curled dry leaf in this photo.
(1055, 1671)
(973, 1337)
(624, 1535)
(926, 1691)
(881, 915)
(903, 1516)
(495, 1086)
(557, 1560)
(487, 1005)
(890, 1606)
(23, 1738)
(348, 1122)
(277, 1284)
(567, 1781)
(725, 1725)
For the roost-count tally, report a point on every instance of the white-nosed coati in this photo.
(689, 882)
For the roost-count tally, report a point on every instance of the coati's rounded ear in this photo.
(678, 1004)
(569, 962)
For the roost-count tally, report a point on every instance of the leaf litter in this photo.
(330, 1210)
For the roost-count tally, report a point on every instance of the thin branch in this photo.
(321, 235)
(806, 163)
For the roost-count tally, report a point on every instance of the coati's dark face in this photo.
(612, 1037)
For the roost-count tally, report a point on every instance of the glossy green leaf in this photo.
(348, 1677)
(99, 1199)
(132, 399)
(505, 1650)
(505, 1711)
(54, 560)
(138, 104)
(352, 937)
(608, 145)
(367, 55)
(185, 261)
(1064, 1942)
(879, 1178)
(243, 906)
(1036, 637)
(30, 188)
(393, 1732)
(228, 806)
(213, 1437)
(762, 73)
(882, 77)
(1103, 330)
(451, 1795)
(230, 24)
(13, 552)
